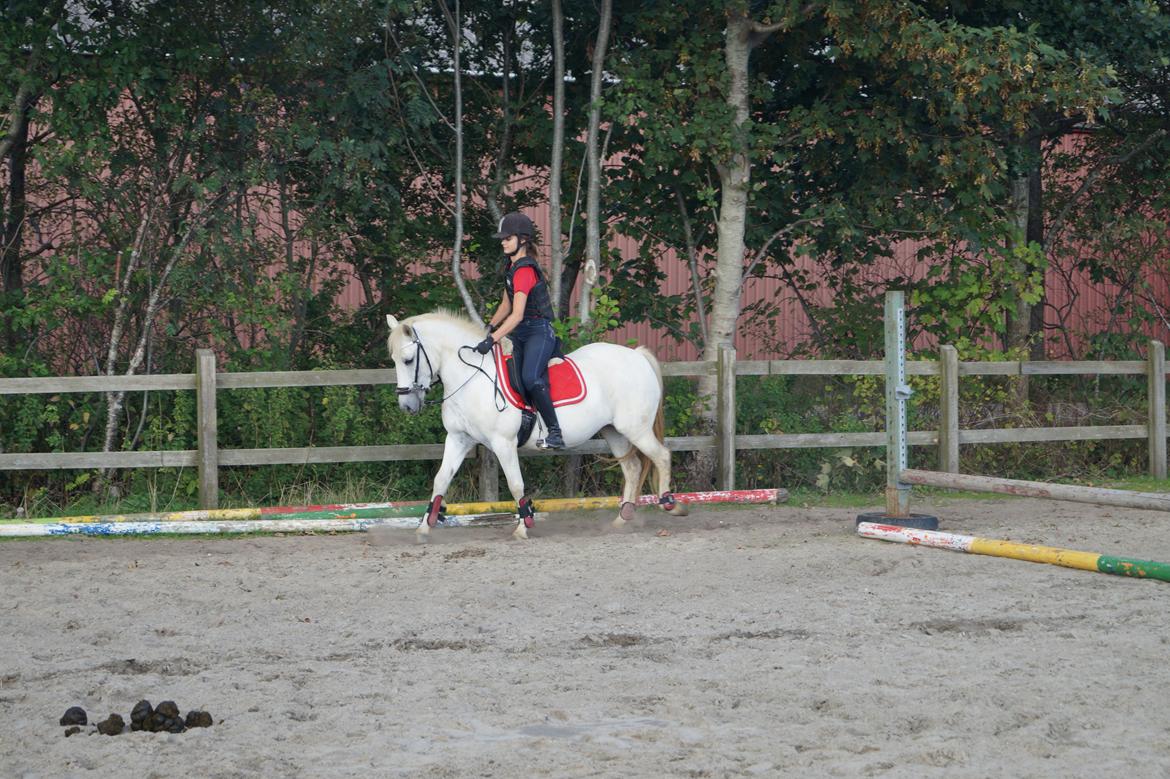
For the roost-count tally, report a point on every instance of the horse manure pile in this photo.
(164, 718)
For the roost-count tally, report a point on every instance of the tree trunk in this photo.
(556, 248)
(734, 180)
(1036, 235)
(500, 181)
(1020, 315)
(693, 264)
(1026, 320)
(593, 199)
(12, 250)
(454, 22)
(143, 243)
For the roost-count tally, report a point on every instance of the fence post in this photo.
(207, 429)
(489, 475)
(948, 416)
(1157, 415)
(725, 417)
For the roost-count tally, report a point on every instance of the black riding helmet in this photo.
(515, 223)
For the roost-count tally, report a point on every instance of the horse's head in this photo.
(412, 365)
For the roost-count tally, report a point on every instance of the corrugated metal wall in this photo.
(1077, 304)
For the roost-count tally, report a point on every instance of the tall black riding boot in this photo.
(540, 398)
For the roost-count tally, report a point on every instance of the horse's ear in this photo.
(391, 322)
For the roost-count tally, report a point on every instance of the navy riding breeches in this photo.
(533, 342)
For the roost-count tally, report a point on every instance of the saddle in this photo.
(566, 384)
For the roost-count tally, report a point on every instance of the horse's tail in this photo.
(659, 417)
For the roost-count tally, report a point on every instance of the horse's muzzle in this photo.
(410, 402)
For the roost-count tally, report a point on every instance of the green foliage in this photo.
(605, 317)
(967, 299)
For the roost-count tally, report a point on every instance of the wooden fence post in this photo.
(207, 429)
(725, 417)
(1156, 372)
(948, 416)
(489, 475)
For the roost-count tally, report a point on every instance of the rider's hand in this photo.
(485, 346)
(491, 328)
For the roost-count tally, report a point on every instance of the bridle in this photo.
(420, 351)
(420, 354)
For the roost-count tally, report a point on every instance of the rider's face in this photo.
(509, 244)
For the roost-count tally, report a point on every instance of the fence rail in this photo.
(209, 457)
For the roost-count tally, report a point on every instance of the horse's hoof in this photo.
(422, 538)
(679, 510)
(520, 533)
(626, 511)
(618, 523)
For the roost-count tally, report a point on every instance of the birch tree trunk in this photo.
(593, 198)
(454, 22)
(743, 35)
(508, 121)
(556, 248)
(140, 255)
(734, 180)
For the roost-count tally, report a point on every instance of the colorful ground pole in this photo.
(1069, 558)
(245, 526)
(416, 509)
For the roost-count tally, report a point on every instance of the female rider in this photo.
(525, 314)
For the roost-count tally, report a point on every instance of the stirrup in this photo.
(556, 444)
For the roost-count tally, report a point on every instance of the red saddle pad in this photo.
(567, 383)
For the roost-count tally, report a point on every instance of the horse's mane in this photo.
(446, 316)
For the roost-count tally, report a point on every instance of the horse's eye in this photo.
(408, 361)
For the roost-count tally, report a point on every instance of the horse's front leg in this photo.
(509, 459)
(455, 450)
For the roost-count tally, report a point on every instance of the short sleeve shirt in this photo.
(524, 281)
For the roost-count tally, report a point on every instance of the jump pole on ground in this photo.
(1068, 558)
(184, 527)
(897, 524)
(340, 517)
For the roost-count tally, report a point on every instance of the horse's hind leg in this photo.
(650, 446)
(631, 473)
(510, 464)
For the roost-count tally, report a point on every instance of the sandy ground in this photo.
(763, 641)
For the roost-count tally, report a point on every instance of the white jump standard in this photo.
(900, 479)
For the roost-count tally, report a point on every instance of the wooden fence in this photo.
(208, 457)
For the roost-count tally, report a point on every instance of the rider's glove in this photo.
(485, 346)
(491, 328)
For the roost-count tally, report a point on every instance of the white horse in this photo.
(623, 402)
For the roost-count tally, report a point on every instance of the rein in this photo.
(498, 394)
